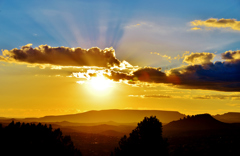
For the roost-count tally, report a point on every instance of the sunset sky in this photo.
(70, 56)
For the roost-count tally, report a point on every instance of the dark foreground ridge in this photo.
(38, 140)
(190, 135)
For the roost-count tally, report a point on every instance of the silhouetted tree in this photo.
(146, 139)
(30, 139)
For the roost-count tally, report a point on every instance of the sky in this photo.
(70, 56)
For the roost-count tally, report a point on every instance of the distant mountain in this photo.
(119, 116)
(197, 122)
(231, 117)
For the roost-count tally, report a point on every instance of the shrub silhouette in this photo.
(146, 139)
(30, 139)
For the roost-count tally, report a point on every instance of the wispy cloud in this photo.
(160, 96)
(219, 96)
(169, 58)
(234, 104)
(190, 96)
(152, 96)
(195, 28)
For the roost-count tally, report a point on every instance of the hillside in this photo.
(197, 122)
(202, 135)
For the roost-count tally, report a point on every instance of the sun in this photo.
(96, 82)
(100, 83)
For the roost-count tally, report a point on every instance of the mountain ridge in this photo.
(120, 116)
(115, 115)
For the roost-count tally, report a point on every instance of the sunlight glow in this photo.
(100, 83)
(95, 81)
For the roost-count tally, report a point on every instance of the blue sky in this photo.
(103, 24)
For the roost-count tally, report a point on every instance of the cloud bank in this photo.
(217, 23)
(200, 73)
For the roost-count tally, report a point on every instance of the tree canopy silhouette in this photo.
(31, 139)
(146, 139)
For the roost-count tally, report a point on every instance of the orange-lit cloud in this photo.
(199, 58)
(217, 23)
(231, 55)
(63, 56)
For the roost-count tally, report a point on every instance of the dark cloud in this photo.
(222, 76)
(116, 76)
(63, 56)
(148, 74)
